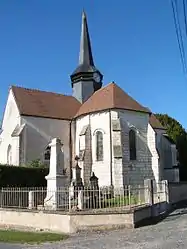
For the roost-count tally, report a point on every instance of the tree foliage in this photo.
(176, 132)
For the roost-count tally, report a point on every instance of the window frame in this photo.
(99, 155)
(132, 145)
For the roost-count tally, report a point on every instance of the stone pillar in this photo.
(56, 180)
(149, 194)
(165, 204)
(31, 200)
(80, 200)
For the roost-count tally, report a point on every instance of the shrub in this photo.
(36, 164)
(16, 176)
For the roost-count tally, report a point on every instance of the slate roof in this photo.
(110, 97)
(155, 123)
(37, 103)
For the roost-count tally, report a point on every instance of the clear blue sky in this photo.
(134, 44)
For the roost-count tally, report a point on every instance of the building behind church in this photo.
(113, 135)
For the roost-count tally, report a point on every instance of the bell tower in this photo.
(86, 79)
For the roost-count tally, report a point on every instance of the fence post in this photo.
(31, 199)
(1, 197)
(80, 200)
(129, 195)
(166, 194)
(70, 194)
(149, 192)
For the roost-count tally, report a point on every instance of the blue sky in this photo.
(134, 44)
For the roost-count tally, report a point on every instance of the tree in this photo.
(178, 134)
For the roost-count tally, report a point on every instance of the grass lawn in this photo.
(122, 201)
(13, 236)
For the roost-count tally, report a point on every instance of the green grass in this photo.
(121, 201)
(13, 236)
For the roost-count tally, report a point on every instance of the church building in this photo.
(114, 136)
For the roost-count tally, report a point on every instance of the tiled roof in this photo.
(110, 97)
(32, 102)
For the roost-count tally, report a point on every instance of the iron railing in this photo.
(72, 199)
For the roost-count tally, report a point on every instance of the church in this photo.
(113, 135)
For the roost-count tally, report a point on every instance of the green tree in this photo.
(176, 132)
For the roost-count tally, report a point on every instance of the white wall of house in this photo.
(10, 120)
(38, 133)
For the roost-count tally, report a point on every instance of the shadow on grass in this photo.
(174, 213)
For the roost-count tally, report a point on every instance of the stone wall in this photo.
(64, 223)
(133, 172)
(117, 161)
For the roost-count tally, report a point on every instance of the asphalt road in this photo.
(170, 233)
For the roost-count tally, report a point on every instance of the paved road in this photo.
(170, 233)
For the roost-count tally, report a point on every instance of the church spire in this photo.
(85, 54)
(86, 79)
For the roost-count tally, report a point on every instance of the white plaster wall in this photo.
(152, 144)
(97, 121)
(10, 120)
(102, 169)
(39, 132)
(80, 123)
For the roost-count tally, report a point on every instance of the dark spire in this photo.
(86, 79)
(86, 63)
(85, 55)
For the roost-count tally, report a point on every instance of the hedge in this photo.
(16, 176)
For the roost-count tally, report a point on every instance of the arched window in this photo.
(132, 144)
(9, 155)
(99, 146)
(47, 153)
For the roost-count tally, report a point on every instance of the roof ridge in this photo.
(37, 90)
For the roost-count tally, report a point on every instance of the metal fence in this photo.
(71, 199)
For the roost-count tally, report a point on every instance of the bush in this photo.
(16, 176)
(37, 164)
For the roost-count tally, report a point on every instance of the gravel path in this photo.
(170, 233)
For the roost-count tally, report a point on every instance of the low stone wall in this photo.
(35, 219)
(177, 192)
(72, 223)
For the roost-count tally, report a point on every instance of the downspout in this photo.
(111, 151)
